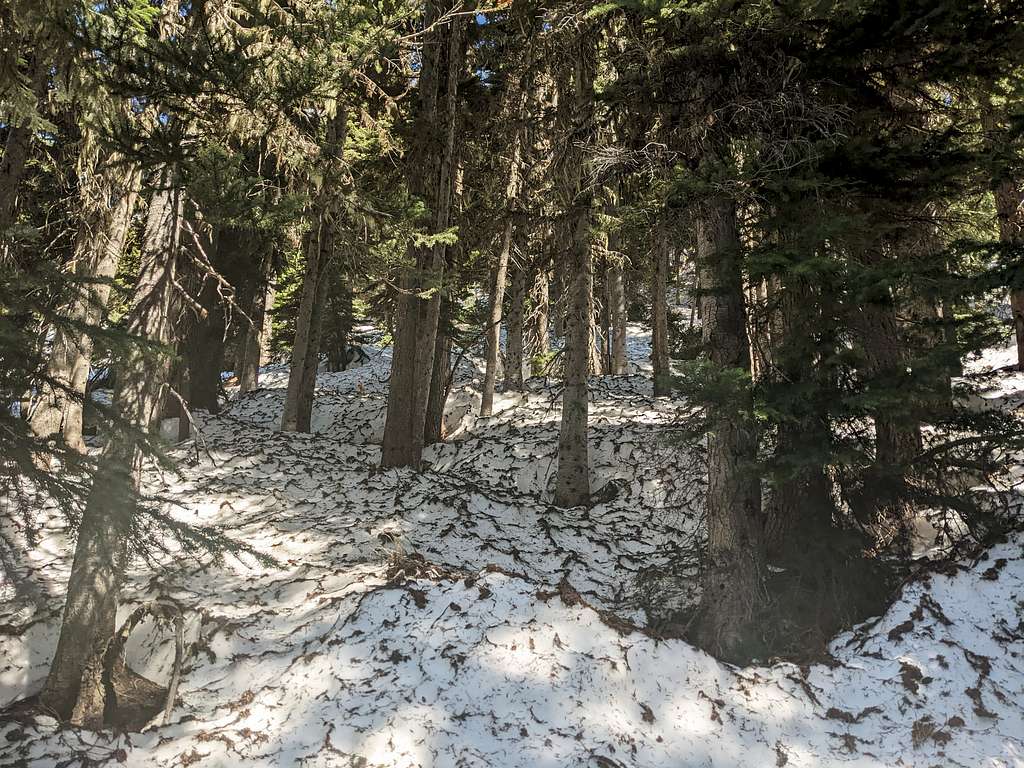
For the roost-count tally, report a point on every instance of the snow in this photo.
(455, 618)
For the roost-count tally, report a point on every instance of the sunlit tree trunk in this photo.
(298, 406)
(108, 197)
(572, 486)
(540, 337)
(514, 335)
(78, 686)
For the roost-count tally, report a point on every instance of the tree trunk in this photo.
(659, 314)
(433, 431)
(320, 247)
(298, 406)
(203, 351)
(897, 434)
(540, 338)
(78, 686)
(514, 334)
(494, 320)
(107, 205)
(733, 580)
(573, 481)
(617, 317)
(267, 335)
(802, 506)
(1009, 194)
(250, 347)
(1008, 190)
(431, 177)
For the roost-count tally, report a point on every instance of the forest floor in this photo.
(454, 618)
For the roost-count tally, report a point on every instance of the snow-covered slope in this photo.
(454, 618)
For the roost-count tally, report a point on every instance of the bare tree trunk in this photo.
(203, 350)
(540, 336)
(79, 686)
(733, 581)
(107, 204)
(597, 336)
(320, 247)
(267, 335)
(298, 406)
(514, 335)
(436, 400)
(573, 481)
(617, 317)
(494, 320)
(431, 178)
(659, 314)
(250, 352)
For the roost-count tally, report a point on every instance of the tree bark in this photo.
(298, 406)
(433, 431)
(617, 317)
(431, 178)
(514, 334)
(320, 247)
(897, 434)
(1009, 195)
(733, 581)
(540, 337)
(78, 686)
(108, 198)
(494, 320)
(203, 349)
(249, 356)
(572, 486)
(659, 313)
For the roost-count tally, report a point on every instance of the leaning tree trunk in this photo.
(733, 580)
(108, 198)
(79, 686)
(572, 486)
(659, 314)
(432, 169)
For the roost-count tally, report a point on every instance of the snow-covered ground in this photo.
(455, 618)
